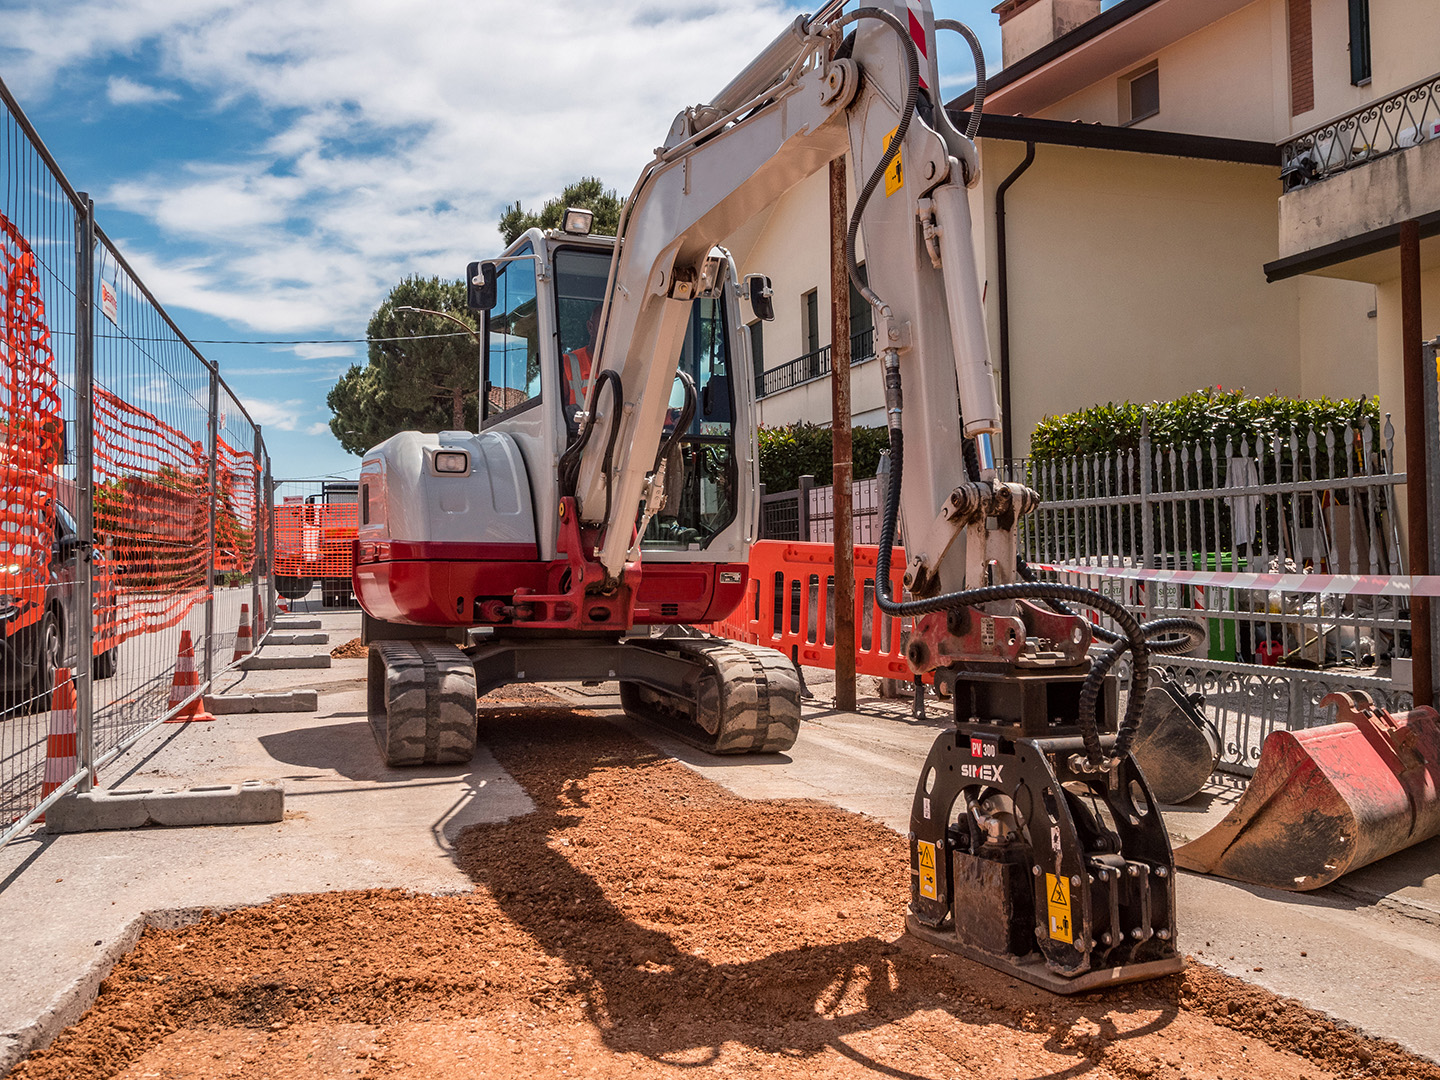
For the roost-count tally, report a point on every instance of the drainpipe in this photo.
(1003, 287)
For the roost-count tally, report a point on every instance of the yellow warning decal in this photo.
(1057, 890)
(895, 174)
(925, 857)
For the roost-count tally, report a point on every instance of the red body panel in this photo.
(445, 584)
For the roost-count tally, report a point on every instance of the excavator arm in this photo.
(830, 84)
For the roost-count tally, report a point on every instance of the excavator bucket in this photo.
(1175, 746)
(1329, 800)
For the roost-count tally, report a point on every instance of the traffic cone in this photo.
(185, 684)
(283, 606)
(61, 756)
(243, 644)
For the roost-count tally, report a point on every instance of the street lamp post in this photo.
(430, 311)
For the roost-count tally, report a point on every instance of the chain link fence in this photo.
(316, 522)
(133, 496)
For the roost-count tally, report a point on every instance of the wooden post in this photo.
(843, 471)
(1412, 352)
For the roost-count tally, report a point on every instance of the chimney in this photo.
(1028, 25)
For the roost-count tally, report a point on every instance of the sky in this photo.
(272, 168)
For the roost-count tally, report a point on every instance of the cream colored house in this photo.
(1131, 226)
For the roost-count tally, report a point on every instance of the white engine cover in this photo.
(403, 497)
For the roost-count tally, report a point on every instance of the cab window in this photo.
(702, 474)
(580, 278)
(512, 339)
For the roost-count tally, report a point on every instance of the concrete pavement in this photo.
(1364, 950)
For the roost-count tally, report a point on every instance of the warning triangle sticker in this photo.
(1058, 896)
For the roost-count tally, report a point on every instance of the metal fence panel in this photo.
(315, 527)
(130, 482)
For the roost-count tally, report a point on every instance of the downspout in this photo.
(1003, 299)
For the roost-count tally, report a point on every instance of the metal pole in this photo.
(211, 480)
(272, 601)
(842, 470)
(1431, 401)
(259, 448)
(802, 497)
(84, 489)
(1147, 526)
(1417, 385)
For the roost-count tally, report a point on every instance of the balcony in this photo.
(1350, 182)
(1397, 122)
(814, 365)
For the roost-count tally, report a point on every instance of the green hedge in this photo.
(788, 453)
(1197, 417)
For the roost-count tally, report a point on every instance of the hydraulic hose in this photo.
(978, 102)
(569, 465)
(907, 112)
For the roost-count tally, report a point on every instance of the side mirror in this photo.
(480, 292)
(760, 292)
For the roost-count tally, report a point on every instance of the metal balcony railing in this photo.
(814, 365)
(1403, 119)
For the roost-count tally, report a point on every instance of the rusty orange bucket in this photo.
(1329, 800)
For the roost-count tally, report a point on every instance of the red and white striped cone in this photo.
(186, 685)
(283, 606)
(61, 755)
(244, 645)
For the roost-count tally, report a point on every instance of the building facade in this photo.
(1134, 233)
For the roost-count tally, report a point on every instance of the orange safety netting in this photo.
(787, 607)
(150, 520)
(234, 509)
(315, 540)
(31, 431)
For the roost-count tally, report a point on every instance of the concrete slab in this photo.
(252, 802)
(297, 639)
(285, 701)
(285, 623)
(267, 661)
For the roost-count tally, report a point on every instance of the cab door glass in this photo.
(580, 278)
(512, 338)
(701, 475)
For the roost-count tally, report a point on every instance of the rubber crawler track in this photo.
(749, 699)
(421, 703)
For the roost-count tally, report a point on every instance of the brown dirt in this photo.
(644, 922)
(351, 650)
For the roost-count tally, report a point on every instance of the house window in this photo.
(1140, 94)
(757, 345)
(862, 326)
(810, 312)
(1360, 42)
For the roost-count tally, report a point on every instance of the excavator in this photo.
(608, 501)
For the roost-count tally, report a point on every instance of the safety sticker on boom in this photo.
(1057, 891)
(895, 174)
(925, 859)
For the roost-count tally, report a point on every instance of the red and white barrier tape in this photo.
(1325, 584)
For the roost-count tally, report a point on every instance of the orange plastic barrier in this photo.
(315, 540)
(789, 600)
(31, 429)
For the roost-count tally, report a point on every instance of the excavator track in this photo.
(747, 700)
(421, 702)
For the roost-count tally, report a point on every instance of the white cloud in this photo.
(324, 350)
(276, 415)
(397, 130)
(124, 91)
(320, 428)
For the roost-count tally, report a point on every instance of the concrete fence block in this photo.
(251, 802)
